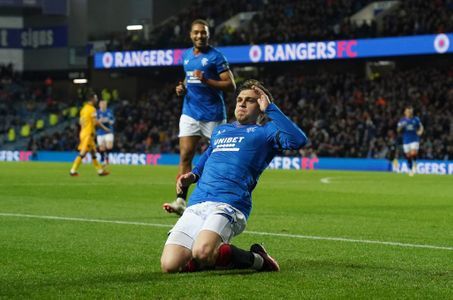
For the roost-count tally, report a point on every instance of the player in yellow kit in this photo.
(88, 123)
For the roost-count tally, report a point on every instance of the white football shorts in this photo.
(188, 126)
(105, 138)
(218, 217)
(411, 146)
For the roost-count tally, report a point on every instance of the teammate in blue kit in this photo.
(226, 175)
(412, 129)
(208, 77)
(105, 138)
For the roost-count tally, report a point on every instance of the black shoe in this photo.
(269, 264)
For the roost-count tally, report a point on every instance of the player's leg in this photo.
(414, 153)
(407, 154)
(189, 136)
(101, 146)
(109, 139)
(395, 161)
(187, 147)
(83, 150)
(77, 162)
(99, 169)
(174, 258)
(177, 252)
(212, 249)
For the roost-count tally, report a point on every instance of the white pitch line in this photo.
(325, 180)
(299, 236)
(84, 220)
(339, 239)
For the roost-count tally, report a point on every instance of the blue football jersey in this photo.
(107, 119)
(202, 102)
(409, 129)
(229, 169)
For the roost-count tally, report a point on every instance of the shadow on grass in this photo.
(92, 281)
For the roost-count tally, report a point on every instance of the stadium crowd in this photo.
(345, 115)
(292, 21)
(22, 103)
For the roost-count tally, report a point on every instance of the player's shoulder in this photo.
(187, 52)
(214, 52)
(219, 129)
(88, 107)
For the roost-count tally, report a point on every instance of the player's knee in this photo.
(168, 265)
(203, 253)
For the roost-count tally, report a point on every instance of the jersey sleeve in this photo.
(221, 63)
(419, 123)
(198, 170)
(282, 132)
(111, 118)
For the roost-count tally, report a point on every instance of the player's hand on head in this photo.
(263, 99)
(180, 89)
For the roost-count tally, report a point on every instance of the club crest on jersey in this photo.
(186, 61)
(251, 129)
(204, 61)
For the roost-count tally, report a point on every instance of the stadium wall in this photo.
(437, 167)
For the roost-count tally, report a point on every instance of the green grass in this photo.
(45, 258)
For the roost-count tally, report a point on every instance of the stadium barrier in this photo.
(438, 167)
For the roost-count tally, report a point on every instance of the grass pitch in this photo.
(295, 215)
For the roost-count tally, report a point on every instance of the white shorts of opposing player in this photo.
(188, 126)
(218, 217)
(105, 139)
(411, 146)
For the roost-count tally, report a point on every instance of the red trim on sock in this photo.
(191, 266)
(224, 257)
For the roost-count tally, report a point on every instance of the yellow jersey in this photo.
(87, 120)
